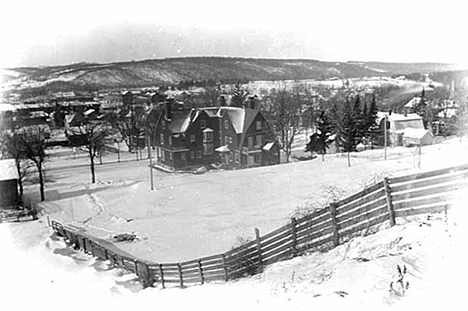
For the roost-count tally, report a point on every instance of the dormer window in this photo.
(203, 124)
(208, 136)
(259, 125)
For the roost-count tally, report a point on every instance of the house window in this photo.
(170, 140)
(199, 154)
(183, 156)
(258, 125)
(203, 124)
(257, 158)
(163, 125)
(236, 157)
(161, 138)
(230, 157)
(163, 155)
(171, 156)
(259, 140)
(226, 124)
(230, 140)
(207, 137)
(192, 138)
(250, 141)
(208, 148)
(226, 140)
(192, 155)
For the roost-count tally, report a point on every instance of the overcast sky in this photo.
(50, 32)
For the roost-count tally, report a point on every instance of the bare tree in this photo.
(96, 134)
(35, 146)
(286, 111)
(12, 147)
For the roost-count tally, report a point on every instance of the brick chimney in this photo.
(168, 108)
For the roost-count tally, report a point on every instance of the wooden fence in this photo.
(388, 200)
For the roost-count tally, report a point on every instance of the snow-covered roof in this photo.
(237, 117)
(268, 146)
(88, 112)
(8, 169)
(415, 133)
(395, 117)
(413, 102)
(224, 148)
(180, 120)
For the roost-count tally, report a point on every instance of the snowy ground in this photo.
(189, 216)
(40, 273)
(204, 213)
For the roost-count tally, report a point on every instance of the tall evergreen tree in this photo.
(424, 110)
(320, 141)
(239, 96)
(346, 127)
(371, 122)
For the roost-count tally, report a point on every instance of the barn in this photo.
(9, 197)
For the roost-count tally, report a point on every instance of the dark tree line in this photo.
(348, 123)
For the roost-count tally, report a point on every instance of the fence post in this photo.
(335, 235)
(181, 277)
(200, 270)
(259, 247)
(84, 245)
(92, 247)
(161, 273)
(294, 236)
(388, 192)
(143, 273)
(226, 275)
(135, 262)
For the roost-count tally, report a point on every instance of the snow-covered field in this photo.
(40, 273)
(188, 216)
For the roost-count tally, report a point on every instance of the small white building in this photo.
(397, 124)
(417, 137)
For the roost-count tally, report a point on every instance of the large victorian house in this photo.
(233, 136)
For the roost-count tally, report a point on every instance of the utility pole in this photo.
(385, 137)
(150, 161)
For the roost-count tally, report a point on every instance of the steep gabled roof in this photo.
(180, 121)
(236, 115)
(413, 102)
(211, 112)
(249, 116)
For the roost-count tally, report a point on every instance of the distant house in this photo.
(235, 137)
(396, 126)
(412, 104)
(9, 197)
(417, 137)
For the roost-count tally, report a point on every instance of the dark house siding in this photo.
(9, 197)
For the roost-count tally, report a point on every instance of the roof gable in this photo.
(180, 121)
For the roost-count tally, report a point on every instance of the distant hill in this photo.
(173, 70)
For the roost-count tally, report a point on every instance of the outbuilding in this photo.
(417, 137)
(9, 197)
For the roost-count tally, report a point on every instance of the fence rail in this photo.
(387, 200)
